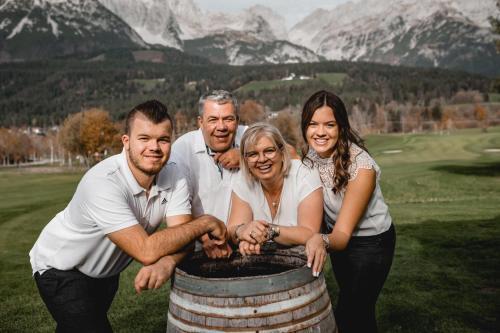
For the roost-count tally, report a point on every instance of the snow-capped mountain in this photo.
(170, 22)
(445, 33)
(436, 33)
(259, 21)
(37, 29)
(253, 36)
(153, 20)
(238, 48)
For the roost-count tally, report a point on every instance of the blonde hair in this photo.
(251, 136)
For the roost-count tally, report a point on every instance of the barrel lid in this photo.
(246, 285)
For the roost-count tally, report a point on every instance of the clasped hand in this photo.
(215, 242)
(251, 236)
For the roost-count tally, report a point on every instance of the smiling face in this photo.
(147, 146)
(264, 160)
(323, 132)
(218, 125)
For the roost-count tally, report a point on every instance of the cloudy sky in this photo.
(292, 10)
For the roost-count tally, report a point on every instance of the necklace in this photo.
(273, 199)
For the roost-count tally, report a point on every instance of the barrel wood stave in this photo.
(290, 301)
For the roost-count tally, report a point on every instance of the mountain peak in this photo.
(37, 29)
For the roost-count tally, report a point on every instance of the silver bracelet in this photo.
(326, 241)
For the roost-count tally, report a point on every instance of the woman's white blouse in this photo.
(298, 184)
(376, 218)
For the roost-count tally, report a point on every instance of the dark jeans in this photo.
(361, 270)
(77, 302)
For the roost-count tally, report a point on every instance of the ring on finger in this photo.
(253, 234)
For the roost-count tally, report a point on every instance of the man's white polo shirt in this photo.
(210, 184)
(107, 199)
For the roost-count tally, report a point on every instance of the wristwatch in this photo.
(273, 232)
(326, 241)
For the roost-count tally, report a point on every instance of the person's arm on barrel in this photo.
(309, 218)
(155, 275)
(147, 249)
(243, 230)
(356, 198)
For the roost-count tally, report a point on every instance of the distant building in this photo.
(289, 77)
(292, 76)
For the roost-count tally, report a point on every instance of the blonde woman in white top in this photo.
(360, 236)
(274, 197)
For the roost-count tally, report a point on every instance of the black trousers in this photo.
(361, 270)
(77, 302)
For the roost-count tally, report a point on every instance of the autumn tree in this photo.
(481, 115)
(4, 145)
(90, 133)
(469, 96)
(380, 119)
(289, 126)
(15, 146)
(251, 112)
(447, 118)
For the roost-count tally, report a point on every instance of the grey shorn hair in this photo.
(219, 96)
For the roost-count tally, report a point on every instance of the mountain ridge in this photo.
(451, 34)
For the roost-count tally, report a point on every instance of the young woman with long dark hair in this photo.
(359, 234)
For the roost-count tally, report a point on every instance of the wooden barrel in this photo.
(271, 292)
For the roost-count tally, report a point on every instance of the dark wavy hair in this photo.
(341, 154)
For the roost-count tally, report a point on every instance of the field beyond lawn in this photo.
(444, 196)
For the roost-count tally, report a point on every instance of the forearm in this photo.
(168, 241)
(290, 236)
(179, 256)
(338, 240)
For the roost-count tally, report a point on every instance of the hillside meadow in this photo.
(443, 191)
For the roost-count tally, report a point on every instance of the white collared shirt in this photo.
(209, 184)
(107, 199)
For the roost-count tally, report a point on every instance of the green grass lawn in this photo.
(444, 195)
(494, 97)
(333, 79)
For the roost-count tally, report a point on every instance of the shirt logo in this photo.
(164, 201)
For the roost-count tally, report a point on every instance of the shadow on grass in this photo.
(485, 169)
(445, 278)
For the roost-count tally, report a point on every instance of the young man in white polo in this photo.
(210, 157)
(112, 219)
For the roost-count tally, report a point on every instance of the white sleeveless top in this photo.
(376, 219)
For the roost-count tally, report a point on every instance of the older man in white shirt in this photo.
(209, 157)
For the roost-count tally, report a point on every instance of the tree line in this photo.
(44, 93)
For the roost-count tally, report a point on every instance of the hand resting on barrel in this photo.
(155, 275)
(218, 233)
(254, 232)
(213, 250)
(247, 248)
(316, 254)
